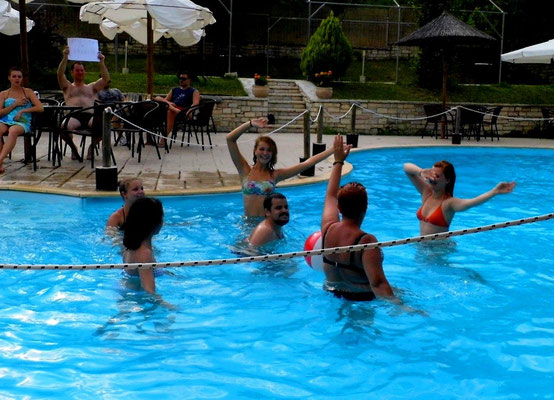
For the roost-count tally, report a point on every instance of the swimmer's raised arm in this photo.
(239, 161)
(457, 204)
(418, 176)
(330, 207)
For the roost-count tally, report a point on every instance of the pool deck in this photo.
(191, 170)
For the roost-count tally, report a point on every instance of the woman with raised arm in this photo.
(356, 275)
(16, 105)
(145, 220)
(438, 204)
(259, 180)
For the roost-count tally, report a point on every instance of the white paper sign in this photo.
(83, 49)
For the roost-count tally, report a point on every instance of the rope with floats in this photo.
(284, 256)
(280, 128)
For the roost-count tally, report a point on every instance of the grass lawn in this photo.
(163, 83)
(376, 72)
(503, 93)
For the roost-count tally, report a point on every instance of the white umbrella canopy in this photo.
(9, 20)
(177, 15)
(542, 53)
(138, 31)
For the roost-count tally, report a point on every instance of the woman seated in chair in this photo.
(259, 180)
(16, 105)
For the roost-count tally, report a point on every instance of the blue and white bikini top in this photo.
(260, 188)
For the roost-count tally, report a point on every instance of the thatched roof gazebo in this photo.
(442, 33)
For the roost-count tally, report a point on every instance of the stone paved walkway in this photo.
(189, 170)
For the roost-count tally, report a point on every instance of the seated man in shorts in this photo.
(179, 98)
(80, 94)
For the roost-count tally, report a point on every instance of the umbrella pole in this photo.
(149, 56)
(444, 82)
(23, 41)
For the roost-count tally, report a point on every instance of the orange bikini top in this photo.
(435, 218)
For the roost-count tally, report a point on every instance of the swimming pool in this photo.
(268, 330)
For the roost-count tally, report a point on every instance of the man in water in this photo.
(79, 94)
(276, 210)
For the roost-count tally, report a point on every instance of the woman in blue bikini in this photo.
(436, 186)
(259, 180)
(16, 104)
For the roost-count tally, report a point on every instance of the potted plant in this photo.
(260, 88)
(322, 81)
(328, 50)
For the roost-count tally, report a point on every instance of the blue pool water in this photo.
(268, 330)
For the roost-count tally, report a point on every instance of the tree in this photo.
(328, 50)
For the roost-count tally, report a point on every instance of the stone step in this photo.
(286, 99)
(289, 95)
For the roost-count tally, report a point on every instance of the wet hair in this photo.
(449, 173)
(145, 216)
(125, 184)
(273, 147)
(268, 201)
(75, 64)
(19, 69)
(352, 199)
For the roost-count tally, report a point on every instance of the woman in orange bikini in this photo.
(438, 204)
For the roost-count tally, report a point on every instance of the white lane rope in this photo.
(200, 145)
(343, 115)
(489, 113)
(406, 119)
(283, 256)
(314, 120)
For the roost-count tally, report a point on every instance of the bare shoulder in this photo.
(368, 238)
(116, 219)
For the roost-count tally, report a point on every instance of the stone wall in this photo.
(232, 111)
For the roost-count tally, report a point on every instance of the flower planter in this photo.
(260, 91)
(324, 92)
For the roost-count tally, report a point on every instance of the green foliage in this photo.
(327, 50)
(136, 83)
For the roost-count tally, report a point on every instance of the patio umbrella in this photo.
(138, 31)
(542, 53)
(179, 15)
(13, 23)
(9, 20)
(443, 33)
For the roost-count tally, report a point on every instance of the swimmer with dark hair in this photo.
(276, 210)
(130, 190)
(438, 204)
(145, 219)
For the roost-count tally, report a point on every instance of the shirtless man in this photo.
(276, 210)
(130, 190)
(79, 94)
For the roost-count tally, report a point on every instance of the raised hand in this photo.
(259, 122)
(504, 187)
(341, 150)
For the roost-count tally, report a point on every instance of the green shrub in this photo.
(327, 50)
